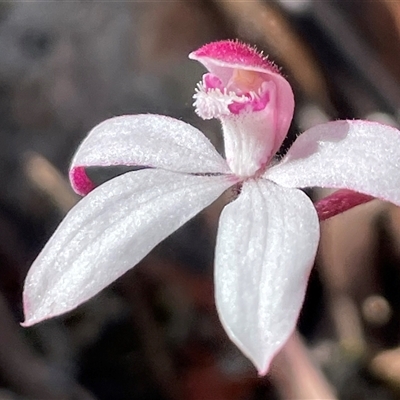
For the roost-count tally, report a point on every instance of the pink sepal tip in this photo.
(80, 182)
(339, 202)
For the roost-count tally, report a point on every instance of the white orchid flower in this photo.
(267, 236)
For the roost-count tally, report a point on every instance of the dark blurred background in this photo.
(154, 334)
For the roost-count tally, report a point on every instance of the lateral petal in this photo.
(358, 155)
(110, 231)
(266, 245)
(145, 140)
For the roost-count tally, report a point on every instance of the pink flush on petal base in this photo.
(248, 94)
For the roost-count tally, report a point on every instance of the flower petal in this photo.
(266, 245)
(145, 140)
(357, 155)
(110, 231)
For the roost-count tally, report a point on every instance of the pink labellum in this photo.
(251, 98)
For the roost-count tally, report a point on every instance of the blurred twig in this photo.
(386, 366)
(346, 256)
(295, 375)
(50, 181)
(373, 78)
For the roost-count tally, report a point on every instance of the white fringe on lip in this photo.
(213, 103)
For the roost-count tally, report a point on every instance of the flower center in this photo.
(245, 81)
(243, 91)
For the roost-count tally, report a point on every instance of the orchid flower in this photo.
(267, 237)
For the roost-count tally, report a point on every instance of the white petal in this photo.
(266, 245)
(357, 155)
(149, 140)
(110, 231)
